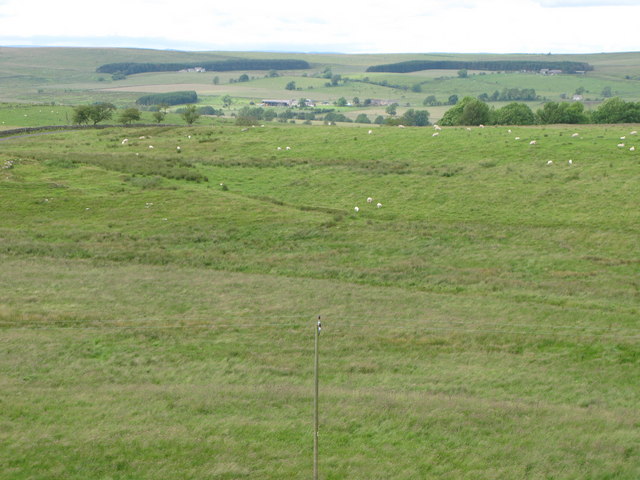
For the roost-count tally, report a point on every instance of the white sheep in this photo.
(621, 145)
(435, 134)
(370, 132)
(151, 146)
(623, 137)
(356, 209)
(633, 133)
(279, 148)
(575, 134)
(437, 127)
(570, 162)
(288, 148)
(369, 199)
(378, 205)
(632, 149)
(400, 126)
(550, 162)
(125, 141)
(533, 142)
(517, 138)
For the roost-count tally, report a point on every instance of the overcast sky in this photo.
(346, 26)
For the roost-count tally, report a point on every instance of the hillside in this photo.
(159, 305)
(69, 76)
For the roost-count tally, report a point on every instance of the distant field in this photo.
(158, 308)
(68, 76)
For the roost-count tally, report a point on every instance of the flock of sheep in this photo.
(369, 200)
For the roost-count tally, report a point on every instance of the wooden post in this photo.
(315, 404)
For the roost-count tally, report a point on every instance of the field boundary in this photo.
(26, 131)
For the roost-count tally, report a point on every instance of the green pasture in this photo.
(68, 76)
(18, 115)
(158, 308)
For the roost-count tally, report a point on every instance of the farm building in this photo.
(278, 103)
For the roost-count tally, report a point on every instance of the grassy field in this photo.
(67, 76)
(157, 310)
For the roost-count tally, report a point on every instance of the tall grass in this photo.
(483, 323)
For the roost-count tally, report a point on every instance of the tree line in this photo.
(473, 111)
(131, 68)
(468, 111)
(491, 65)
(169, 98)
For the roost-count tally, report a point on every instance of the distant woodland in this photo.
(131, 68)
(500, 65)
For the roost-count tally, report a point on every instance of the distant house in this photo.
(548, 71)
(577, 98)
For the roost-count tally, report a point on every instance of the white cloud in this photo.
(587, 3)
(358, 26)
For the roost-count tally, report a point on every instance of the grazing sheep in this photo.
(509, 130)
(356, 209)
(279, 148)
(632, 149)
(481, 126)
(623, 137)
(570, 162)
(178, 149)
(400, 126)
(437, 127)
(550, 162)
(435, 134)
(125, 141)
(633, 133)
(575, 134)
(533, 142)
(517, 138)
(370, 132)
(621, 145)
(369, 200)
(150, 146)
(288, 148)
(378, 205)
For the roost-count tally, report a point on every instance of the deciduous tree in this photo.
(129, 115)
(190, 114)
